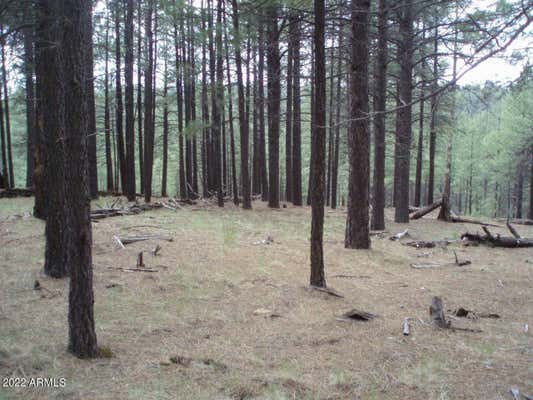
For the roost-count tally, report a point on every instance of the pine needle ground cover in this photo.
(228, 314)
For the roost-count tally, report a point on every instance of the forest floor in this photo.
(228, 318)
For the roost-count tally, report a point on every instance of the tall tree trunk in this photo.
(357, 231)
(148, 105)
(179, 99)
(51, 105)
(29, 87)
(91, 109)
(231, 129)
(433, 120)
(403, 153)
(130, 114)
(205, 111)
(261, 94)
(294, 36)
(331, 125)
(444, 213)
(5, 168)
(139, 97)
(243, 121)
(107, 124)
(119, 107)
(335, 166)
(274, 94)
(217, 73)
(318, 149)
(78, 234)
(420, 151)
(288, 118)
(165, 127)
(7, 117)
(380, 100)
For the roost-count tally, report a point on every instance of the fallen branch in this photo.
(330, 291)
(497, 241)
(513, 231)
(15, 192)
(426, 210)
(132, 239)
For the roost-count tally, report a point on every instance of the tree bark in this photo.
(119, 106)
(243, 121)
(107, 123)
(148, 105)
(318, 149)
(139, 98)
(261, 94)
(218, 98)
(357, 229)
(77, 233)
(294, 36)
(288, 112)
(165, 128)
(379, 102)
(274, 95)
(51, 108)
(130, 116)
(433, 122)
(420, 147)
(335, 166)
(404, 114)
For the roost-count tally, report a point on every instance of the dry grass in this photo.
(198, 310)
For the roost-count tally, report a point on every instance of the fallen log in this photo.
(399, 235)
(497, 241)
(132, 239)
(517, 221)
(455, 218)
(426, 210)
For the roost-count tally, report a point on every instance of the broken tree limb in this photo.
(470, 221)
(15, 192)
(497, 241)
(461, 263)
(513, 231)
(436, 313)
(132, 239)
(328, 290)
(426, 210)
(119, 242)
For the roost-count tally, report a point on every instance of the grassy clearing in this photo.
(199, 310)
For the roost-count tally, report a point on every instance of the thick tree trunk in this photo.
(148, 105)
(243, 120)
(50, 77)
(130, 106)
(274, 95)
(296, 112)
(357, 229)
(77, 233)
(318, 149)
(379, 100)
(403, 153)
(29, 87)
